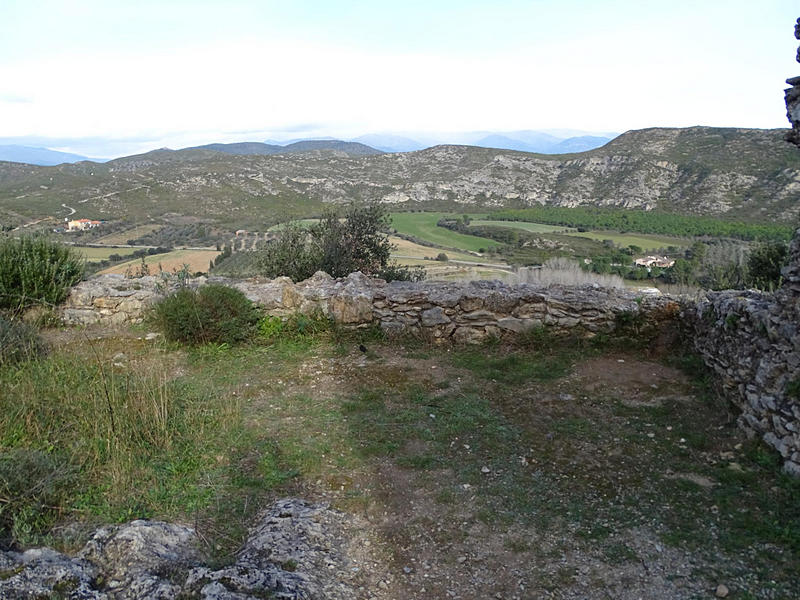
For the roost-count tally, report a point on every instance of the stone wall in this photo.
(792, 98)
(751, 341)
(461, 312)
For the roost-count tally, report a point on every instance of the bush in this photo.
(35, 270)
(337, 246)
(18, 341)
(214, 313)
(765, 263)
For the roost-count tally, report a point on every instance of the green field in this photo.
(530, 227)
(423, 226)
(92, 254)
(644, 241)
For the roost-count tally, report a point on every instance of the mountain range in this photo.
(558, 142)
(748, 174)
(37, 156)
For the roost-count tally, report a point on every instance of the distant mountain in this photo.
(522, 141)
(748, 174)
(37, 156)
(579, 144)
(301, 146)
(507, 143)
(348, 148)
(242, 148)
(542, 143)
(390, 143)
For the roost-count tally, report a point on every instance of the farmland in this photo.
(645, 242)
(530, 227)
(98, 253)
(197, 260)
(423, 227)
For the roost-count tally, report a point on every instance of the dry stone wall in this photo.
(751, 340)
(461, 312)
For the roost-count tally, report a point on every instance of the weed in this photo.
(18, 342)
(732, 320)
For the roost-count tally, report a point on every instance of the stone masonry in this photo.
(751, 340)
(461, 312)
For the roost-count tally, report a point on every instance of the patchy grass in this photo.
(563, 463)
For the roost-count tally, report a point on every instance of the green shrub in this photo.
(213, 313)
(18, 341)
(337, 246)
(35, 270)
(270, 327)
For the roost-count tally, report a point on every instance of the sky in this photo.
(105, 78)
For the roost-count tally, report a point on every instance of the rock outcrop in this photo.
(792, 97)
(297, 551)
(695, 170)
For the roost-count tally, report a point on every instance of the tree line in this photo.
(640, 221)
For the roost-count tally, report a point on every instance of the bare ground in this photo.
(619, 478)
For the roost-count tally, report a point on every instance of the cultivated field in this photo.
(94, 254)
(530, 227)
(409, 249)
(122, 237)
(644, 241)
(197, 260)
(423, 226)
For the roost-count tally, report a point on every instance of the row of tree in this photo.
(646, 222)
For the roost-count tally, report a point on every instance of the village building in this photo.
(654, 261)
(82, 224)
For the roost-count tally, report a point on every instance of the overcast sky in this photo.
(110, 77)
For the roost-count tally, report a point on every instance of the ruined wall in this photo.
(751, 340)
(461, 312)
(792, 98)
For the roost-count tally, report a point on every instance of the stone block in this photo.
(434, 316)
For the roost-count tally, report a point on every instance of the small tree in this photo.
(764, 265)
(337, 246)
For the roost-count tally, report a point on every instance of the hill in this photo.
(302, 146)
(747, 174)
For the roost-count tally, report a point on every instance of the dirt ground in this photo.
(601, 475)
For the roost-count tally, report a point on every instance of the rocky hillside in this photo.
(742, 173)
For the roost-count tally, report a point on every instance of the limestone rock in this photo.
(297, 551)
